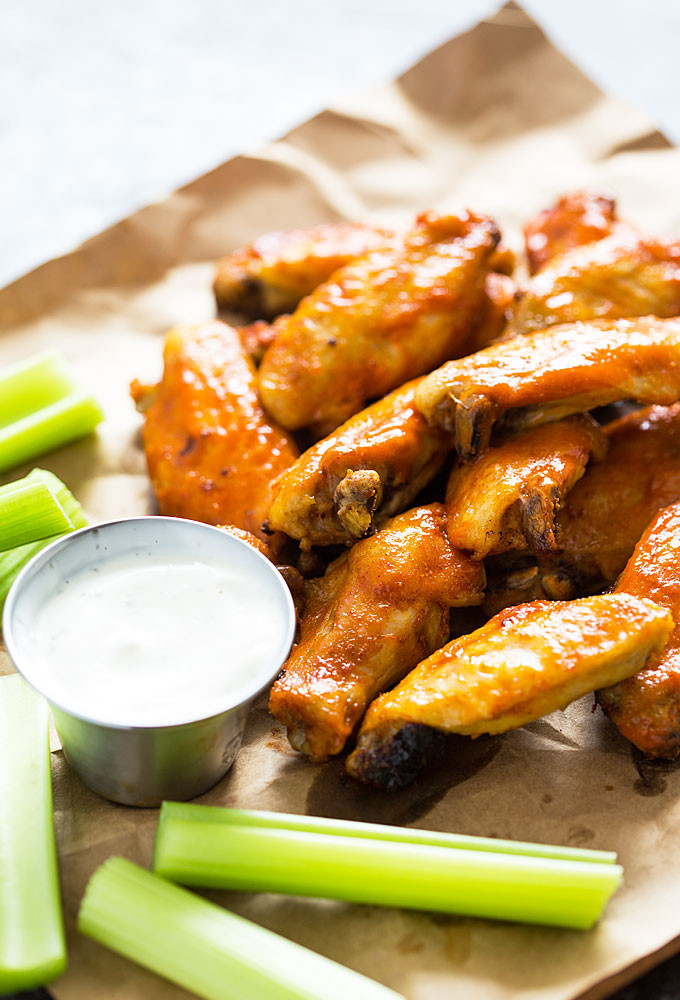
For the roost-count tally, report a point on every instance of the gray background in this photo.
(106, 106)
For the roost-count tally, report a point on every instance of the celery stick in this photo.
(54, 425)
(211, 952)
(31, 385)
(376, 831)
(32, 948)
(29, 511)
(14, 560)
(385, 873)
(68, 502)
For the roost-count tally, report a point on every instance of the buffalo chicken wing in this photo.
(368, 470)
(379, 609)
(551, 374)
(646, 708)
(389, 316)
(508, 498)
(211, 451)
(526, 662)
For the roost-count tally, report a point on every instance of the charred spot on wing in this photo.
(395, 763)
(189, 446)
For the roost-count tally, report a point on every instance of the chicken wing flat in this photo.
(605, 514)
(211, 451)
(380, 608)
(367, 471)
(508, 498)
(551, 374)
(574, 220)
(618, 277)
(386, 317)
(646, 708)
(270, 276)
(526, 662)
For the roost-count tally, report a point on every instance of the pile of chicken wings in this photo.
(412, 424)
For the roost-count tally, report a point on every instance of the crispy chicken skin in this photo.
(646, 708)
(551, 374)
(572, 221)
(526, 662)
(212, 452)
(618, 277)
(365, 472)
(270, 276)
(388, 316)
(380, 608)
(604, 515)
(274, 273)
(508, 498)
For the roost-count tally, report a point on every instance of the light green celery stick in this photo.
(31, 385)
(32, 948)
(14, 560)
(29, 512)
(376, 831)
(55, 425)
(385, 873)
(211, 952)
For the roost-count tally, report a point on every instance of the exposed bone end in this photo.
(356, 499)
(391, 757)
(475, 417)
(537, 517)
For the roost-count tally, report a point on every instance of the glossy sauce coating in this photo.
(389, 440)
(526, 662)
(270, 276)
(621, 276)
(211, 451)
(573, 220)
(605, 514)
(379, 609)
(553, 373)
(386, 317)
(508, 498)
(646, 708)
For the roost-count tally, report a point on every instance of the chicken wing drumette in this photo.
(211, 450)
(270, 276)
(572, 221)
(604, 515)
(380, 608)
(387, 317)
(368, 470)
(508, 498)
(646, 707)
(551, 374)
(526, 662)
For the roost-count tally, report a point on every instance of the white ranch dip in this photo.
(142, 641)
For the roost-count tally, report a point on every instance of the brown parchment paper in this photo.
(499, 120)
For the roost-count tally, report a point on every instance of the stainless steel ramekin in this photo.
(142, 765)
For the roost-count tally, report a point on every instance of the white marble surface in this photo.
(106, 106)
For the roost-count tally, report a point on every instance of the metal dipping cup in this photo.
(140, 765)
